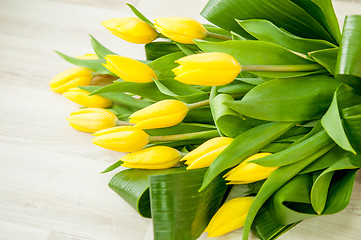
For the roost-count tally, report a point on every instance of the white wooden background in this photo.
(50, 185)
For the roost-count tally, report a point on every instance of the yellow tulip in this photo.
(131, 29)
(231, 216)
(162, 114)
(71, 78)
(247, 172)
(205, 154)
(207, 69)
(88, 56)
(121, 139)
(92, 119)
(128, 69)
(82, 97)
(180, 29)
(158, 157)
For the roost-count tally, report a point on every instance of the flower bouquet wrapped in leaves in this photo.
(252, 122)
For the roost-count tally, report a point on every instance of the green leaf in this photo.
(119, 98)
(332, 124)
(326, 57)
(146, 90)
(99, 49)
(163, 66)
(139, 15)
(180, 91)
(293, 99)
(187, 49)
(228, 121)
(95, 65)
(258, 53)
(243, 146)
(297, 151)
(277, 179)
(180, 129)
(237, 89)
(348, 67)
(199, 115)
(113, 166)
(133, 186)
(266, 31)
(223, 12)
(155, 50)
(179, 211)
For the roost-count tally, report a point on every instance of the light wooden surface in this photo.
(50, 185)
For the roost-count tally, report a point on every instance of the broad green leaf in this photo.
(133, 186)
(180, 91)
(224, 12)
(99, 49)
(275, 147)
(179, 211)
(297, 151)
(297, 192)
(277, 179)
(326, 160)
(243, 146)
(254, 52)
(187, 49)
(266, 31)
(146, 90)
(120, 98)
(228, 121)
(236, 89)
(163, 66)
(319, 192)
(326, 57)
(139, 15)
(330, 21)
(348, 67)
(266, 227)
(95, 65)
(155, 50)
(293, 99)
(332, 123)
(199, 115)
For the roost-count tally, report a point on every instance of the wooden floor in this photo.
(50, 185)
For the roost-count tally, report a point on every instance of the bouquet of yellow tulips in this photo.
(252, 122)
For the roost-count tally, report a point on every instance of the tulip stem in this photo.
(123, 123)
(185, 136)
(219, 36)
(198, 104)
(282, 68)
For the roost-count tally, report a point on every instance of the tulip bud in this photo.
(162, 114)
(88, 56)
(231, 216)
(121, 139)
(247, 172)
(128, 69)
(158, 157)
(131, 29)
(180, 29)
(92, 119)
(207, 69)
(82, 97)
(71, 78)
(205, 154)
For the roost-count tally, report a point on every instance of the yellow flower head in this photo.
(71, 78)
(231, 216)
(82, 97)
(247, 172)
(128, 69)
(121, 139)
(180, 29)
(157, 157)
(131, 29)
(162, 114)
(205, 154)
(92, 119)
(207, 69)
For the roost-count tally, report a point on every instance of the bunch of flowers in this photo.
(253, 122)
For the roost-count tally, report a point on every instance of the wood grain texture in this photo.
(50, 185)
